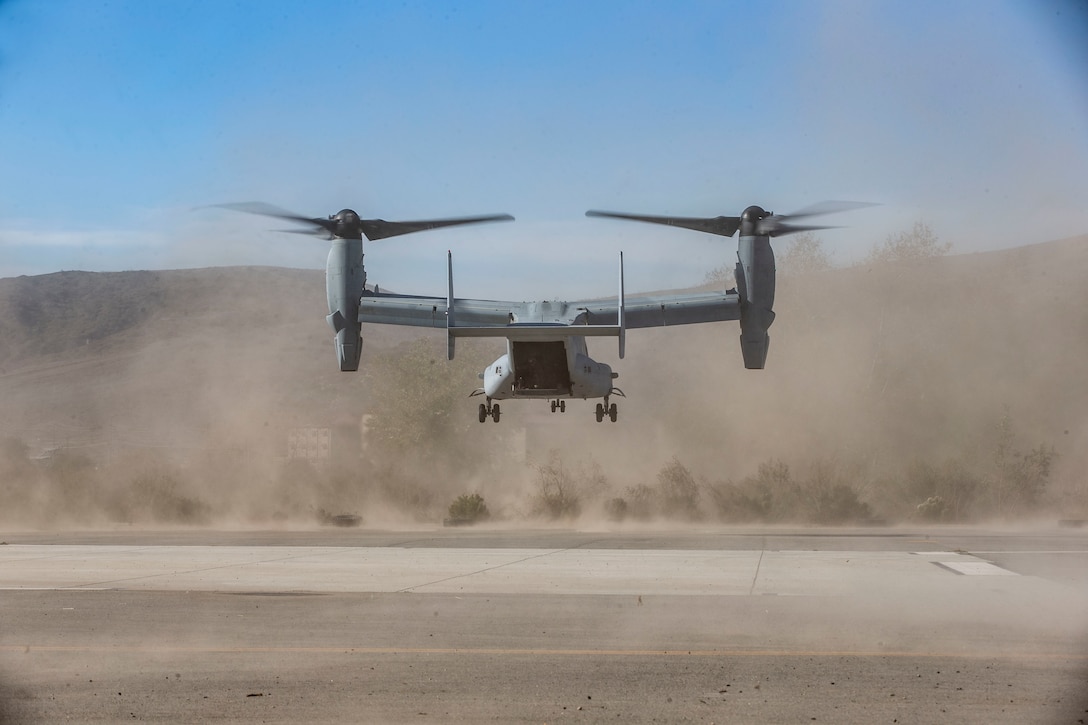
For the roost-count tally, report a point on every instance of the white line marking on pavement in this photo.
(975, 568)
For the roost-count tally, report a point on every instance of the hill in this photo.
(143, 354)
(871, 369)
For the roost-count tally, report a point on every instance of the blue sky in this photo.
(118, 119)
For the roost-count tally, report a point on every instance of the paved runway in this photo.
(701, 625)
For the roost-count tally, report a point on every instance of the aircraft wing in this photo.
(415, 311)
(639, 312)
(665, 310)
(610, 316)
(543, 320)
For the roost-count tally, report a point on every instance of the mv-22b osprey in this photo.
(546, 354)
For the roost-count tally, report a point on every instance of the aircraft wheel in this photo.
(600, 412)
(612, 412)
(553, 406)
(483, 412)
(562, 406)
(495, 412)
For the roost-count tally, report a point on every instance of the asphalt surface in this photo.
(470, 625)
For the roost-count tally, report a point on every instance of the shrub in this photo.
(939, 493)
(468, 509)
(773, 496)
(153, 495)
(831, 500)
(558, 495)
(679, 493)
(838, 504)
(1019, 479)
(736, 503)
(641, 502)
(1023, 478)
(616, 509)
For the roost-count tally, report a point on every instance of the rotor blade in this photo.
(307, 232)
(826, 207)
(262, 209)
(725, 226)
(772, 227)
(381, 229)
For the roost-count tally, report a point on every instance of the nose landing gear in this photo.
(561, 405)
(489, 411)
(606, 409)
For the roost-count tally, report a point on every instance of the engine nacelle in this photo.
(345, 280)
(349, 348)
(755, 284)
(754, 343)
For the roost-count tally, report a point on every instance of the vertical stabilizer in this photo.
(449, 306)
(619, 314)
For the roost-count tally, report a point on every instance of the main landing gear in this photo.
(606, 409)
(560, 405)
(489, 411)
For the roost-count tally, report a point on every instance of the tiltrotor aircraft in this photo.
(546, 354)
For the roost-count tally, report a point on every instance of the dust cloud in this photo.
(948, 389)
